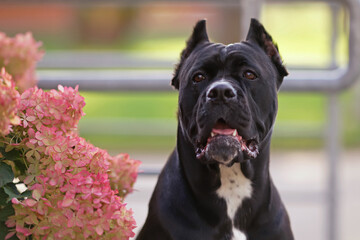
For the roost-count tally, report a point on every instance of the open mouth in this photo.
(220, 131)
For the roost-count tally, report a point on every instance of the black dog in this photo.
(216, 184)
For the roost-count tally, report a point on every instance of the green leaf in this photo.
(3, 197)
(11, 190)
(29, 179)
(13, 155)
(3, 230)
(20, 165)
(26, 193)
(7, 211)
(6, 174)
(9, 148)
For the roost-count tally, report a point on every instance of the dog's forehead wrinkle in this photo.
(247, 54)
(239, 48)
(209, 50)
(203, 54)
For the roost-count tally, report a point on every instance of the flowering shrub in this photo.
(19, 56)
(69, 180)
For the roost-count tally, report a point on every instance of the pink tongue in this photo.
(222, 129)
(227, 131)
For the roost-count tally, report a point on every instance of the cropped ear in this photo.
(258, 35)
(198, 36)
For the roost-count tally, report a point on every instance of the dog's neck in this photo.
(207, 184)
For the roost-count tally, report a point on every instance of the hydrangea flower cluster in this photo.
(19, 56)
(9, 102)
(71, 196)
(60, 109)
(123, 173)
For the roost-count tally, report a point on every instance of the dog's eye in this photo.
(199, 77)
(250, 75)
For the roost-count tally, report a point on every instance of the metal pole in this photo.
(335, 9)
(333, 141)
(333, 136)
(248, 9)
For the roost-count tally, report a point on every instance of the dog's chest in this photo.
(235, 187)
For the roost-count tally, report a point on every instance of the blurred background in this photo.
(133, 36)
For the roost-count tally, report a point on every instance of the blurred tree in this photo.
(105, 24)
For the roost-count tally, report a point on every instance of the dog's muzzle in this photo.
(224, 144)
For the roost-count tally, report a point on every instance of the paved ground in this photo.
(301, 178)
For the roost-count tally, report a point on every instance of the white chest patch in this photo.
(238, 235)
(235, 187)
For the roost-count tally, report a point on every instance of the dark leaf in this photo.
(3, 230)
(3, 197)
(20, 165)
(26, 193)
(11, 155)
(7, 211)
(16, 156)
(11, 190)
(6, 174)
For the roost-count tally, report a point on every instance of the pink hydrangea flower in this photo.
(83, 207)
(61, 109)
(9, 103)
(19, 56)
(72, 196)
(123, 173)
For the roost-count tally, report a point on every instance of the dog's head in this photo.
(228, 94)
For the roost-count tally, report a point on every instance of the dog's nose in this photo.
(221, 91)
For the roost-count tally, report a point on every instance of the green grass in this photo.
(130, 105)
(125, 108)
(301, 107)
(126, 143)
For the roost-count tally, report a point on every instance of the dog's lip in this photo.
(249, 146)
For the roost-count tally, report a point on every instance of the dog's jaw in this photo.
(225, 146)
